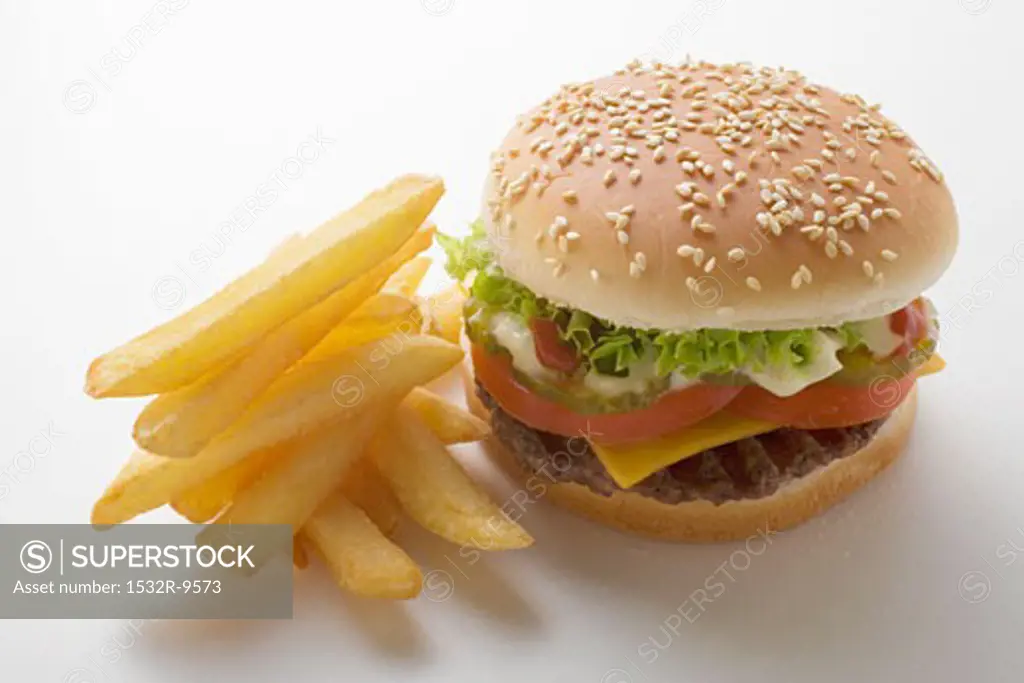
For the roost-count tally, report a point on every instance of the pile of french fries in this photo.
(294, 396)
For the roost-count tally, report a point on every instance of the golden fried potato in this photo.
(192, 345)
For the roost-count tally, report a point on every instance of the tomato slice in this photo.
(825, 405)
(552, 351)
(669, 413)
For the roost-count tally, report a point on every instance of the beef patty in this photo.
(754, 467)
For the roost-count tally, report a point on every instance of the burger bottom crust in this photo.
(702, 521)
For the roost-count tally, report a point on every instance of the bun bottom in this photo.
(704, 522)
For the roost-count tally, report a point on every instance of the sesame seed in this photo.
(814, 232)
(889, 255)
(594, 275)
(845, 247)
(868, 268)
(830, 250)
(559, 269)
(889, 176)
(622, 236)
(635, 270)
(698, 256)
(685, 250)
(796, 280)
(893, 213)
(754, 283)
(736, 254)
(634, 176)
(609, 178)
(569, 197)
(685, 190)
(710, 265)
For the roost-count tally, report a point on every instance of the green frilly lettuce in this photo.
(611, 349)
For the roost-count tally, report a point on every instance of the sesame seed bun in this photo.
(720, 196)
(704, 522)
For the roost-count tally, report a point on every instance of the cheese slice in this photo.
(933, 365)
(629, 464)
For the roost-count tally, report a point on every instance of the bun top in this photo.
(728, 196)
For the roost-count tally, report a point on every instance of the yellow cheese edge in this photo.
(629, 464)
(933, 365)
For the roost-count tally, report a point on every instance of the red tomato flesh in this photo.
(552, 351)
(911, 323)
(825, 405)
(672, 411)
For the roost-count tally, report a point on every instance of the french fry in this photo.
(285, 249)
(294, 486)
(359, 556)
(182, 422)
(435, 491)
(407, 279)
(382, 306)
(188, 347)
(367, 490)
(299, 556)
(311, 394)
(448, 422)
(204, 502)
(444, 311)
(359, 332)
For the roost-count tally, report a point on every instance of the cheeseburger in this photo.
(695, 302)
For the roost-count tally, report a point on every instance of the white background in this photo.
(117, 177)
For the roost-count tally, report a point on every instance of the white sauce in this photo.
(641, 374)
(785, 381)
(877, 336)
(513, 334)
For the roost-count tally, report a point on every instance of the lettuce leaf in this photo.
(609, 348)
